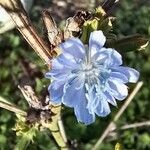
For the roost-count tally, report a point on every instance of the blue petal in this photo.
(110, 99)
(114, 58)
(97, 101)
(120, 77)
(62, 66)
(72, 91)
(57, 73)
(130, 73)
(90, 96)
(74, 47)
(102, 107)
(100, 57)
(81, 112)
(74, 96)
(96, 41)
(117, 89)
(108, 56)
(56, 91)
(64, 61)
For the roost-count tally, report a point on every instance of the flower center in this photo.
(89, 72)
(95, 74)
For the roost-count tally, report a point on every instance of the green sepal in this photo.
(99, 22)
(88, 27)
(93, 25)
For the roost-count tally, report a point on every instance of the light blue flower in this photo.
(88, 79)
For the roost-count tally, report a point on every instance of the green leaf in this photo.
(145, 139)
(24, 132)
(128, 43)
(2, 139)
(25, 139)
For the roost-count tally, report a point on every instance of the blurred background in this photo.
(18, 61)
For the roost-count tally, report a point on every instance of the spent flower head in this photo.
(88, 79)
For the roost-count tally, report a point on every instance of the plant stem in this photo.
(24, 25)
(11, 107)
(54, 125)
(117, 116)
(55, 129)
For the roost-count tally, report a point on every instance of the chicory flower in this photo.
(88, 79)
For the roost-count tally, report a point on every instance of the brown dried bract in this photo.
(72, 28)
(74, 24)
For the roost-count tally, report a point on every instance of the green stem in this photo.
(55, 128)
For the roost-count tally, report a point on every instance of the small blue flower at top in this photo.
(89, 78)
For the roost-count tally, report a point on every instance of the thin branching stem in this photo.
(135, 125)
(24, 25)
(117, 116)
(113, 131)
(56, 129)
(11, 107)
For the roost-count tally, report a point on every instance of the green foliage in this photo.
(132, 17)
(101, 21)
(135, 20)
(24, 132)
